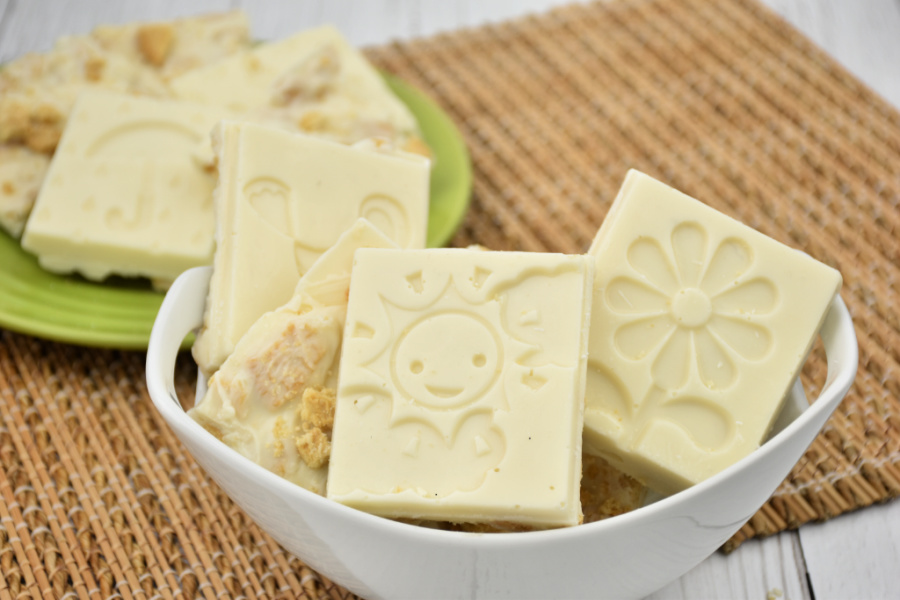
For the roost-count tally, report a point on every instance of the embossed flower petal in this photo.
(625, 295)
(730, 260)
(754, 297)
(640, 337)
(648, 259)
(672, 365)
(689, 247)
(750, 340)
(716, 368)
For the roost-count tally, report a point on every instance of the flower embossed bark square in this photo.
(699, 327)
(461, 386)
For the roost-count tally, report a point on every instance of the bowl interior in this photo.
(693, 522)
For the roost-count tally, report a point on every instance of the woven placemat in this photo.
(720, 99)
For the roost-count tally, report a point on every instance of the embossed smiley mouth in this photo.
(443, 392)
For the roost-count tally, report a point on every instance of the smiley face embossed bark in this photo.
(462, 376)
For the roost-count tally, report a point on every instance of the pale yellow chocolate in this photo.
(38, 91)
(605, 492)
(462, 378)
(699, 326)
(273, 399)
(283, 199)
(175, 47)
(314, 82)
(21, 173)
(124, 194)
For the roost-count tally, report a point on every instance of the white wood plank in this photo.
(767, 568)
(275, 20)
(863, 36)
(436, 17)
(480, 11)
(373, 22)
(4, 11)
(855, 555)
(33, 25)
(362, 23)
(380, 21)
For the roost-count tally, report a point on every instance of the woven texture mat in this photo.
(720, 99)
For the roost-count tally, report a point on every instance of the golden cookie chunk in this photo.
(606, 491)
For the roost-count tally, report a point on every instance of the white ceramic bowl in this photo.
(628, 556)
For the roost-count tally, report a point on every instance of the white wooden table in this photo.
(856, 556)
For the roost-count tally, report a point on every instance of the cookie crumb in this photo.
(314, 448)
(93, 68)
(278, 449)
(313, 121)
(154, 41)
(416, 145)
(317, 407)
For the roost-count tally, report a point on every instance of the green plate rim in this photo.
(39, 303)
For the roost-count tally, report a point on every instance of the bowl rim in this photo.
(181, 312)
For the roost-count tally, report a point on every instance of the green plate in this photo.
(120, 313)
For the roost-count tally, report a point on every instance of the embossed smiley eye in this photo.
(416, 367)
(479, 360)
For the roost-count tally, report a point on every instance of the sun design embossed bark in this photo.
(462, 380)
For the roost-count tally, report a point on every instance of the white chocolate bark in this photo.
(314, 81)
(38, 90)
(699, 326)
(282, 200)
(124, 194)
(175, 47)
(272, 400)
(462, 378)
